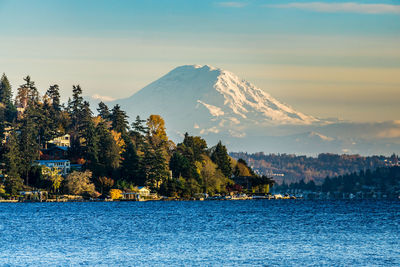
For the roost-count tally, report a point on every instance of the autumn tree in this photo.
(105, 184)
(242, 169)
(214, 181)
(156, 130)
(78, 183)
(54, 176)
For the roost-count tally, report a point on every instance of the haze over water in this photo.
(285, 233)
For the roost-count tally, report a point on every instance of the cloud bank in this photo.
(348, 7)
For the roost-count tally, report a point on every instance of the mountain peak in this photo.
(213, 99)
(194, 68)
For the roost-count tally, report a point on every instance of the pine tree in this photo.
(88, 134)
(12, 159)
(221, 158)
(5, 90)
(9, 111)
(155, 166)
(109, 151)
(197, 144)
(75, 106)
(119, 120)
(139, 131)
(27, 93)
(29, 146)
(180, 166)
(54, 95)
(104, 111)
(44, 117)
(130, 167)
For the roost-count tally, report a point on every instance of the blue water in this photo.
(254, 232)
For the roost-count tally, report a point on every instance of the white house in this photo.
(144, 191)
(64, 165)
(64, 141)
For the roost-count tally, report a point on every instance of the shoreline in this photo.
(178, 200)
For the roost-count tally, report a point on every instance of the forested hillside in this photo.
(105, 150)
(292, 168)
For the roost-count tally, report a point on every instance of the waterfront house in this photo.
(130, 195)
(139, 193)
(143, 191)
(34, 195)
(63, 164)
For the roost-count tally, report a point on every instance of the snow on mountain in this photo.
(211, 100)
(320, 136)
(218, 105)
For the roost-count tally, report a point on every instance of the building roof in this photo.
(143, 187)
(52, 161)
(65, 148)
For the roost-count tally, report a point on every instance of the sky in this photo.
(330, 59)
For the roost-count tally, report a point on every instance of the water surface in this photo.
(253, 232)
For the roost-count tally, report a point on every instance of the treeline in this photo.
(292, 169)
(111, 152)
(383, 181)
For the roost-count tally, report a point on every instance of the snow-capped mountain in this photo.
(218, 105)
(210, 100)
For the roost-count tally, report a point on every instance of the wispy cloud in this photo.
(348, 7)
(231, 4)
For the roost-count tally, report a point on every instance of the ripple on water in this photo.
(258, 232)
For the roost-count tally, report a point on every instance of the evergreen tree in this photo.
(109, 151)
(29, 145)
(53, 93)
(42, 116)
(12, 160)
(119, 120)
(87, 132)
(5, 90)
(9, 111)
(130, 167)
(180, 166)
(139, 131)
(139, 127)
(75, 107)
(197, 144)
(156, 167)
(221, 158)
(104, 111)
(27, 93)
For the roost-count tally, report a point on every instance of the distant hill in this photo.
(291, 168)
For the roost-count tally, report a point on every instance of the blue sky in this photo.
(325, 58)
